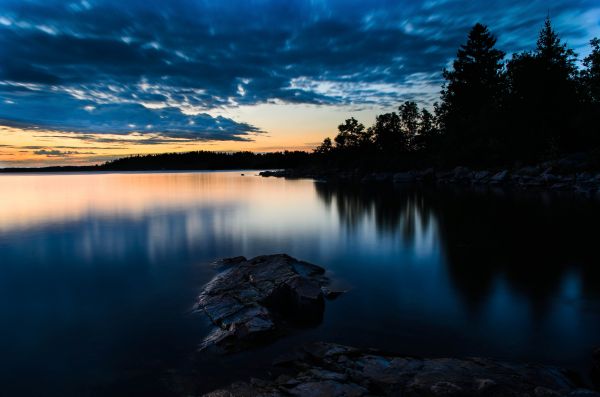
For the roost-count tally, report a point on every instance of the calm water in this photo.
(98, 273)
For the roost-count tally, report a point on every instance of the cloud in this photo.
(96, 67)
(58, 111)
(58, 153)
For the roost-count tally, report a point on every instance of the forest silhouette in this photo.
(537, 105)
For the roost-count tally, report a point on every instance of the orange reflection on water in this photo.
(32, 199)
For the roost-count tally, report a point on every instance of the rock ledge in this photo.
(325, 369)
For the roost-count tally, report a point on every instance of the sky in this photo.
(86, 81)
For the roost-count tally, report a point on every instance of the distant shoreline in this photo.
(95, 170)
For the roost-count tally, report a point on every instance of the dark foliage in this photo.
(471, 99)
(534, 107)
(543, 101)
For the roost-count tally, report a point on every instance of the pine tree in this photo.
(543, 97)
(591, 73)
(553, 53)
(590, 88)
(472, 93)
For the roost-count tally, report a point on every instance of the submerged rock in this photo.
(256, 300)
(325, 369)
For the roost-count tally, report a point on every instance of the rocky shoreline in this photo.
(255, 301)
(327, 369)
(551, 176)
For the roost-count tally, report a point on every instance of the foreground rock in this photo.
(256, 300)
(324, 369)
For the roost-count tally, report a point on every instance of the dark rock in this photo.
(251, 301)
(324, 369)
(271, 173)
(230, 261)
(377, 177)
(584, 177)
(427, 175)
(443, 176)
(571, 173)
(331, 294)
(583, 393)
(481, 176)
(549, 178)
(404, 177)
(462, 173)
(596, 367)
(499, 177)
(327, 387)
(573, 163)
(529, 171)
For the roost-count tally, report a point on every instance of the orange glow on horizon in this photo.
(285, 126)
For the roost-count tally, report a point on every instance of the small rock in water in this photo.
(256, 300)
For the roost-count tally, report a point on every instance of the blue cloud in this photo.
(154, 62)
(33, 109)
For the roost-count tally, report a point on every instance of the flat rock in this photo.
(325, 369)
(256, 300)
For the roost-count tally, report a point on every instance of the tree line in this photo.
(207, 160)
(536, 105)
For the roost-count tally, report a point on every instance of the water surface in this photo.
(98, 273)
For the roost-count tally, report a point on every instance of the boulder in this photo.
(253, 301)
(404, 177)
(481, 176)
(573, 163)
(529, 171)
(377, 177)
(426, 175)
(549, 178)
(584, 177)
(499, 177)
(462, 173)
(326, 369)
(443, 175)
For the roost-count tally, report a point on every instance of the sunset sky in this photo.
(85, 81)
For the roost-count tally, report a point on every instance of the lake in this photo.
(99, 272)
